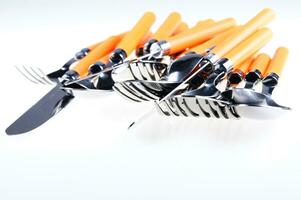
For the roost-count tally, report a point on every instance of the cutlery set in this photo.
(213, 69)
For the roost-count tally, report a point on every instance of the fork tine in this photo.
(40, 76)
(139, 88)
(136, 71)
(143, 70)
(124, 93)
(137, 91)
(150, 70)
(218, 108)
(212, 109)
(161, 110)
(45, 76)
(132, 92)
(202, 108)
(157, 76)
(32, 76)
(178, 109)
(207, 107)
(24, 75)
(233, 111)
(170, 108)
(229, 110)
(181, 103)
(197, 107)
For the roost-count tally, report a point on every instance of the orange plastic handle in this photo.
(101, 50)
(132, 38)
(178, 44)
(278, 61)
(168, 26)
(204, 22)
(249, 46)
(93, 46)
(261, 62)
(180, 29)
(245, 65)
(199, 26)
(104, 59)
(259, 21)
(213, 42)
(145, 39)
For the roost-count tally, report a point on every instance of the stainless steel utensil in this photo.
(206, 95)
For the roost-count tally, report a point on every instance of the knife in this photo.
(57, 98)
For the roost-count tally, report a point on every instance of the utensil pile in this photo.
(213, 69)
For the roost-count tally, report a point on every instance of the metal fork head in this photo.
(196, 107)
(133, 93)
(152, 88)
(146, 90)
(140, 70)
(35, 75)
(165, 82)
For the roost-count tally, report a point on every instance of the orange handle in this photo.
(101, 50)
(145, 39)
(168, 27)
(249, 46)
(93, 46)
(132, 38)
(203, 24)
(245, 65)
(199, 26)
(180, 29)
(278, 61)
(213, 42)
(104, 59)
(261, 62)
(178, 44)
(260, 20)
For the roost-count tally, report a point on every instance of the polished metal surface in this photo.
(145, 86)
(53, 102)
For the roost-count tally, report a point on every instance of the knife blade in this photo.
(53, 102)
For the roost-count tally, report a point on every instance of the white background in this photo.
(86, 152)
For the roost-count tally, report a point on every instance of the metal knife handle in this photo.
(180, 29)
(132, 38)
(168, 27)
(249, 46)
(186, 40)
(259, 21)
(101, 50)
(278, 61)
